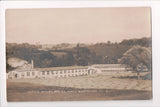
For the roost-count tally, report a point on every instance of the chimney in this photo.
(32, 64)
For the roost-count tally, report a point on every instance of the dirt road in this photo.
(32, 92)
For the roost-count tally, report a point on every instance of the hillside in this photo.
(79, 55)
(109, 50)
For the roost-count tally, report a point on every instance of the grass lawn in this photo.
(110, 88)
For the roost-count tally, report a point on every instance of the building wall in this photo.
(104, 68)
(47, 74)
(108, 68)
(64, 73)
(23, 74)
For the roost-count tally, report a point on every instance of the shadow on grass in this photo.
(145, 77)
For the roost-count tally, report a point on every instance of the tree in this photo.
(137, 56)
(146, 42)
(69, 60)
(82, 55)
(8, 68)
(108, 42)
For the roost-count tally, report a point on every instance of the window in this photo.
(33, 73)
(16, 75)
(47, 72)
(43, 73)
(22, 74)
(28, 73)
(52, 72)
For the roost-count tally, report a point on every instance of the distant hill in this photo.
(117, 49)
(66, 54)
(109, 50)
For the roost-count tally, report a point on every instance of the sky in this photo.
(77, 25)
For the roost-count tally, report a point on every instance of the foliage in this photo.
(82, 55)
(137, 55)
(146, 42)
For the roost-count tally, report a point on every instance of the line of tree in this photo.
(100, 53)
(145, 42)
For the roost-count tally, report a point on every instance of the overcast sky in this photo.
(77, 25)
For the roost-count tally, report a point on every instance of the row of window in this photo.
(70, 75)
(43, 73)
(32, 73)
(113, 69)
(110, 67)
(84, 71)
(28, 74)
(61, 72)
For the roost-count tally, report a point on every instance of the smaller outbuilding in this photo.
(107, 68)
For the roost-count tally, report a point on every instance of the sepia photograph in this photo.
(78, 54)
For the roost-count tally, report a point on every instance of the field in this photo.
(122, 86)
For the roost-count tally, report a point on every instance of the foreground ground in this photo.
(95, 87)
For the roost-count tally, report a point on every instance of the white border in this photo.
(155, 5)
